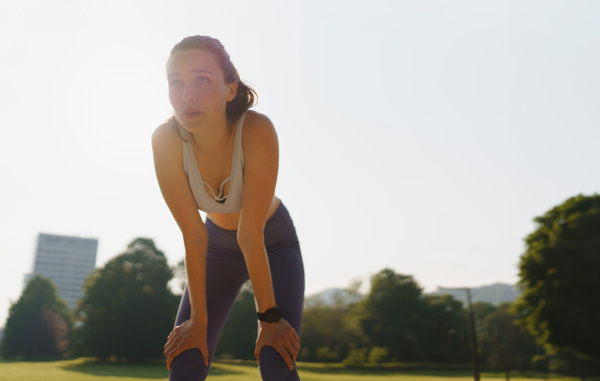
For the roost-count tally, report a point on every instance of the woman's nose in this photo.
(189, 94)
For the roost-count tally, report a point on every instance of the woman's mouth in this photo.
(192, 114)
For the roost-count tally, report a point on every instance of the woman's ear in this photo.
(232, 91)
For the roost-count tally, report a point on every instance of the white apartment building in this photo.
(67, 261)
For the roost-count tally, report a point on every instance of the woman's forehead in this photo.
(193, 60)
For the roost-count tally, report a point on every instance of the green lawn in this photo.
(88, 370)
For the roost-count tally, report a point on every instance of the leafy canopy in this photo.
(560, 276)
(128, 309)
(38, 323)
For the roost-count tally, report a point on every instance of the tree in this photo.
(330, 331)
(480, 311)
(128, 309)
(325, 336)
(444, 329)
(569, 361)
(504, 344)
(38, 323)
(238, 336)
(391, 315)
(560, 276)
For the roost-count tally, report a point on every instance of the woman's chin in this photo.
(190, 125)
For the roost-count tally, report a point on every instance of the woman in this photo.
(216, 156)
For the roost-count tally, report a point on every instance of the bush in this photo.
(356, 357)
(325, 354)
(377, 355)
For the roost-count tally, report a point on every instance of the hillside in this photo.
(495, 293)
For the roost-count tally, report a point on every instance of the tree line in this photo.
(128, 310)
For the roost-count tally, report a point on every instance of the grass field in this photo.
(89, 370)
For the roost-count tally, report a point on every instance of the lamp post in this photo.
(472, 336)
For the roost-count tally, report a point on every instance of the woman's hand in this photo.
(189, 334)
(282, 337)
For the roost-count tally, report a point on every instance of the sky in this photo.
(421, 136)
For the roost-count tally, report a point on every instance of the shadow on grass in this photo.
(146, 370)
(431, 370)
(382, 370)
(449, 371)
(15, 359)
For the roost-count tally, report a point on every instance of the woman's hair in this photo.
(245, 97)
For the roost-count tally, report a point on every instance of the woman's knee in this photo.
(273, 368)
(188, 366)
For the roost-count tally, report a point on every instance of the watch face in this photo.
(273, 315)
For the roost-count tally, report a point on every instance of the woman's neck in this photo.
(214, 137)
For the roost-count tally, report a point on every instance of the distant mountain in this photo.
(495, 293)
(330, 296)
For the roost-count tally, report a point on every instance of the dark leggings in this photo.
(226, 273)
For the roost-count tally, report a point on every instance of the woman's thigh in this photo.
(287, 274)
(224, 278)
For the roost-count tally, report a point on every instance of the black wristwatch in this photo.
(272, 315)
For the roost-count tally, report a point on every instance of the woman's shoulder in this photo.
(257, 124)
(166, 133)
(166, 140)
(258, 135)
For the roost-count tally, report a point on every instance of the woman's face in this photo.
(197, 88)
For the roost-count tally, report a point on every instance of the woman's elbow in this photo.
(249, 239)
(198, 237)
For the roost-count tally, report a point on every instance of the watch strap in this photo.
(272, 315)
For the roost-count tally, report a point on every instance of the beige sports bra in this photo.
(216, 203)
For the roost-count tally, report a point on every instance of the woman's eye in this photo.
(202, 80)
(175, 82)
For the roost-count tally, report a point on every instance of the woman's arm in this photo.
(173, 182)
(261, 154)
